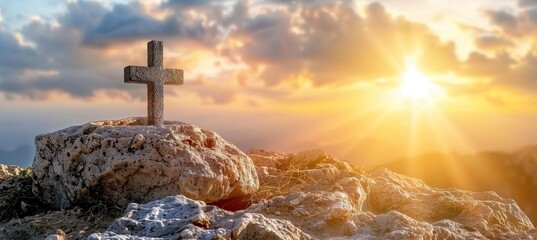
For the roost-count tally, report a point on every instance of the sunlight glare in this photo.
(416, 86)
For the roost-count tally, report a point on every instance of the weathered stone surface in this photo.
(266, 158)
(8, 171)
(312, 195)
(383, 205)
(485, 212)
(124, 161)
(177, 217)
(322, 214)
(509, 174)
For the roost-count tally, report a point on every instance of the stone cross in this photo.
(155, 76)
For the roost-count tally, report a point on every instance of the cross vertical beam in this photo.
(155, 104)
(155, 77)
(155, 54)
(155, 92)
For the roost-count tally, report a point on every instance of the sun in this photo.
(415, 85)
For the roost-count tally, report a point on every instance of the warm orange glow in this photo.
(417, 86)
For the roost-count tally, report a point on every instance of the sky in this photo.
(366, 81)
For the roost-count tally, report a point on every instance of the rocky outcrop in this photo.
(509, 174)
(8, 171)
(125, 161)
(178, 217)
(482, 214)
(312, 195)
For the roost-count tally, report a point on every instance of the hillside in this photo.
(511, 175)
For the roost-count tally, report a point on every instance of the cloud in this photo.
(500, 70)
(79, 72)
(1, 18)
(187, 3)
(308, 2)
(77, 47)
(527, 3)
(264, 48)
(493, 42)
(503, 19)
(503, 69)
(516, 24)
(331, 44)
(523, 75)
(124, 23)
(479, 65)
(16, 56)
(82, 15)
(90, 24)
(127, 22)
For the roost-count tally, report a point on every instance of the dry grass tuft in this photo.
(292, 179)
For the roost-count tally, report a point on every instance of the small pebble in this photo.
(187, 233)
(294, 202)
(220, 232)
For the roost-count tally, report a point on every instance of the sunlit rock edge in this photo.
(311, 195)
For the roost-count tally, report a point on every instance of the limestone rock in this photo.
(322, 214)
(313, 188)
(266, 158)
(509, 174)
(7, 171)
(177, 217)
(126, 161)
(485, 212)
(313, 195)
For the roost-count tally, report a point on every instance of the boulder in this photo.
(321, 214)
(126, 161)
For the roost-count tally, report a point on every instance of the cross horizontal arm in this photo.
(173, 76)
(136, 74)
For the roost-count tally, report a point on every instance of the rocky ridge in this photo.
(320, 197)
(306, 195)
(510, 174)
